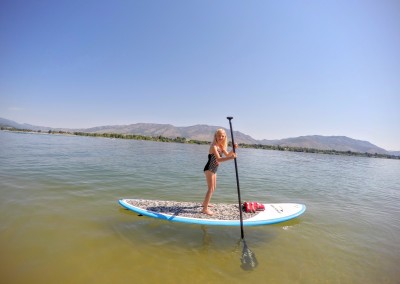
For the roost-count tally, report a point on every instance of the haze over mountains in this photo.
(206, 132)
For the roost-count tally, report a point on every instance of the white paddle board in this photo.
(224, 214)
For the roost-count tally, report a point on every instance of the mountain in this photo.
(9, 123)
(196, 132)
(338, 143)
(206, 132)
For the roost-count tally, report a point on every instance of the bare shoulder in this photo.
(213, 149)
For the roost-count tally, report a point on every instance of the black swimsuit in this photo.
(212, 164)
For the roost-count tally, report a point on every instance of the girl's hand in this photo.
(236, 146)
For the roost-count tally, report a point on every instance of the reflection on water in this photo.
(207, 239)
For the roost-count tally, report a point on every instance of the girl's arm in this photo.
(231, 152)
(229, 156)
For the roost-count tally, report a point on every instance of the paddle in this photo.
(248, 259)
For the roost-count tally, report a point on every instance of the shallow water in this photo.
(60, 221)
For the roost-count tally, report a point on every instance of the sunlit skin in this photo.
(219, 143)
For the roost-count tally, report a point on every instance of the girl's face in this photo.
(221, 137)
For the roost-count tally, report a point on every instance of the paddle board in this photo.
(224, 214)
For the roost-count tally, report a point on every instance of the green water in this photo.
(60, 221)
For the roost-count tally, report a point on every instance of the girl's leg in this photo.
(211, 180)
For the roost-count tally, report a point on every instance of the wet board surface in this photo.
(224, 214)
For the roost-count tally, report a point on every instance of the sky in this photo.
(283, 68)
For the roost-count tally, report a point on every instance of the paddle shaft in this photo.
(237, 180)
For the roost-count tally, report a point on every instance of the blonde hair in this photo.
(225, 142)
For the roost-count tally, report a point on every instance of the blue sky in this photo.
(281, 68)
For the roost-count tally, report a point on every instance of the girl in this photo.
(217, 148)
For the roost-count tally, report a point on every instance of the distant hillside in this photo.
(338, 143)
(196, 132)
(9, 123)
(206, 132)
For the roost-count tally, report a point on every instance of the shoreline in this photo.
(183, 140)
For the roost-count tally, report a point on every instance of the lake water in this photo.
(60, 221)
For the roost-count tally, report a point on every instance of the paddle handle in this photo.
(237, 178)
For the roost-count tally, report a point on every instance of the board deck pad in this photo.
(224, 214)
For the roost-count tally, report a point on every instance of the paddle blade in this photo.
(249, 260)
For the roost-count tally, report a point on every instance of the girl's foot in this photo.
(208, 212)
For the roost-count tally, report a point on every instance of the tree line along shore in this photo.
(190, 141)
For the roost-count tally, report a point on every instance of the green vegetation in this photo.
(113, 135)
(140, 137)
(186, 141)
(317, 151)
